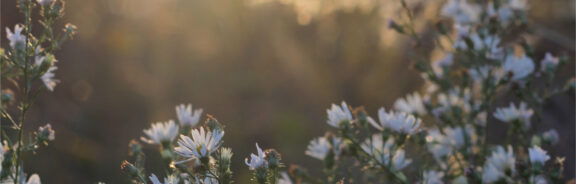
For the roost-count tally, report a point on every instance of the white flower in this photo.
(491, 174)
(201, 145)
(44, 2)
(48, 78)
(16, 38)
(551, 136)
(257, 161)
(171, 179)
(411, 104)
(538, 155)
(161, 132)
(399, 160)
(207, 180)
(185, 115)
(339, 114)
(285, 178)
(520, 67)
(34, 179)
(432, 177)
(458, 136)
(538, 179)
(321, 146)
(461, 11)
(518, 4)
(512, 113)
(549, 62)
(400, 122)
(498, 164)
(438, 144)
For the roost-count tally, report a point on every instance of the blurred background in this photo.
(267, 70)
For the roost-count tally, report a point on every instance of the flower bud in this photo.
(45, 133)
(70, 30)
(273, 158)
(135, 147)
(129, 169)
(7, 96)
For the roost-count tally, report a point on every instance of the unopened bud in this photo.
(273, 158)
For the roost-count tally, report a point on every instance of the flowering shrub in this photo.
(437, 135)
(28, 60)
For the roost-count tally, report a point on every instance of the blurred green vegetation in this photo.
(268, 78)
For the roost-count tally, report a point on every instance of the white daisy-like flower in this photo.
(438, 144)
(461, 11)
(339, 114)
(186, 116)
(206, 180)
(498, 164)
(520, 67)
(257, 161)
(538, 155)
(399, 160)
(458, 135)
(34, 179)
(161, 132)
(171, 179)
(432, 177)
(16, 38)
(512, 113)
(201, 145)
(285, 179)
(549, 62)
(399, 122)
(411, 104)
(44, 2)
(321, 146)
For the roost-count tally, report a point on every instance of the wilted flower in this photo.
(161, 132)
(551, 136)
(257, 161)
(339, 114)
(48, 78)
(17, 40)
(399, 122)
(549, 62)
(201, 145)
(520, 67)
(432, 177)
(185, 115)
(512, 113)
(46, 133)
(538, 155)
(411, 104)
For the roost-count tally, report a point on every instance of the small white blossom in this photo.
(512, 113)
(161, 132)
(399, 122)
(520, 67)
(461, 11)
(438, 144)
(16, 38)
(318, 148)
(432, 177)
(399, 160)
(382, 152)
(285, 179)
(185, 115)
(339, 114)
(171, 179)
(549, 62)
(207, 180)
(257, 161)
(498, 164)
(538, 155)
(411, 104)
(34, 179)
(44, 2)
(538, 179)
(201, 145)
(518, 4)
